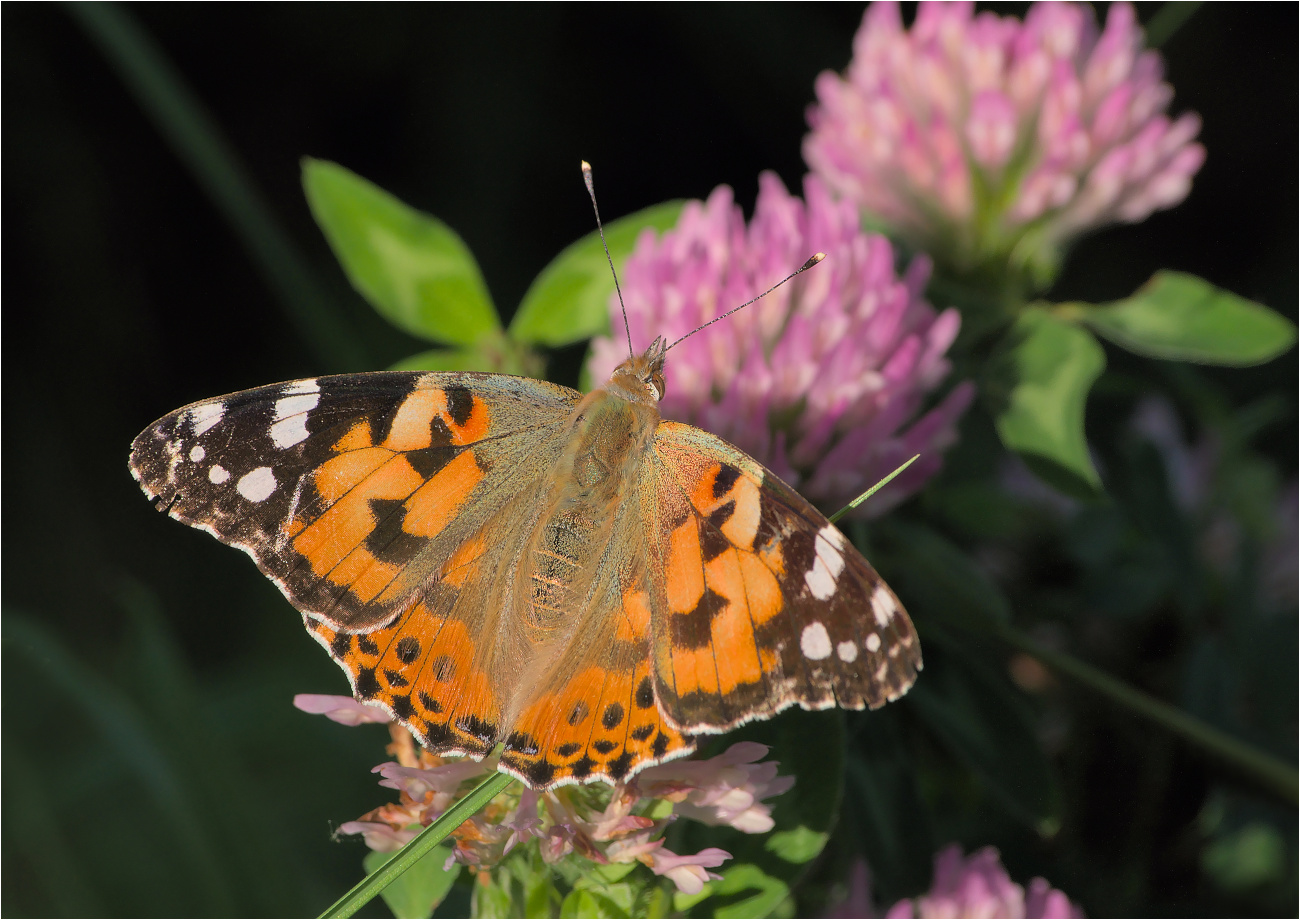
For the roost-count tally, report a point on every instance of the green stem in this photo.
(430, 837)
(1277, 776)
(179, 116)
(870, 492)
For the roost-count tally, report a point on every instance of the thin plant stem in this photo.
(870, 492)
(1169, 19)
(1272, 773)
(365, 890)
(178, 115)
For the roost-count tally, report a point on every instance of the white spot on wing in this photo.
(873, 643)
(847, 651)
(290, 426)
(828, 564)
(302, 386)
(197, 453)
(218, 474)
(257, 485)
(882, 602)
(830, 533)
(815, 643)
(205, 416)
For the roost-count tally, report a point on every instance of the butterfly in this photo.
(501, 560)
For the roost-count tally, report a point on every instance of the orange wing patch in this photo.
(722, 586)
(602, 724)
(422, 668)
(382, 502)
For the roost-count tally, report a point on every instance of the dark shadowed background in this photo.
(152, 761)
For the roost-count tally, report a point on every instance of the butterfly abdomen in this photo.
(593, 478)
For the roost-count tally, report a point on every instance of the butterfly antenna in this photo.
(591, 190)
(802, 268)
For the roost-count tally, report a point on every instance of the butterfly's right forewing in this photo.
(764, 604)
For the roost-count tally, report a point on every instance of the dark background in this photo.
(152, 762)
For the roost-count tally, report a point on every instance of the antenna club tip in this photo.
(586, 167)
(817, 257)
(811, 262)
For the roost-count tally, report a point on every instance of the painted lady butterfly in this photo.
(502, 560)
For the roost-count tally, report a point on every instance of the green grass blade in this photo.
(430, 837)
(179, 116)
(870, 492)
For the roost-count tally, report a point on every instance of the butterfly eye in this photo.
(656, 385)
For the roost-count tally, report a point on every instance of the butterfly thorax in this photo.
(610, 433)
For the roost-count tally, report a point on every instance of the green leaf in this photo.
(569, 300)
(884, 814)
(1039, 384)
(1181, 317)
(494, 354)
(421, 888)
(1253, 856)
(409, 265)
(761, 892)
(442, 359)
(493, 899)
(988, 726)
(940, 580)
(796, 845)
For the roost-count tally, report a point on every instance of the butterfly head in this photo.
(640, 379)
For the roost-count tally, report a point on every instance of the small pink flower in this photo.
(436, 786)
(523, 822)
(978, 137)
(342, 709)
(978, 886)
(727, 789)
(381, 837)
(688, 873)
(824, 380)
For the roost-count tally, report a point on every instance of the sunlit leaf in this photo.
(494, 354)
(421, 888)
(1039, 386)
(569, 300)
(1182, 317)
(409, 265)
(747, 891)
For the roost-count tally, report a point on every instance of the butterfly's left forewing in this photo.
(350, 491)
(763, 604)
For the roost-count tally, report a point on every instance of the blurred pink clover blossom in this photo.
(823, 379)
(963, 886)
(990, 142)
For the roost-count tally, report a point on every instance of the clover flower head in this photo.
(823, 379)
(963, 886)
(983, 138)
(624, 824)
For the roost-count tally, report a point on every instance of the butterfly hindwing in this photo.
(765, 604)
(593, 712)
